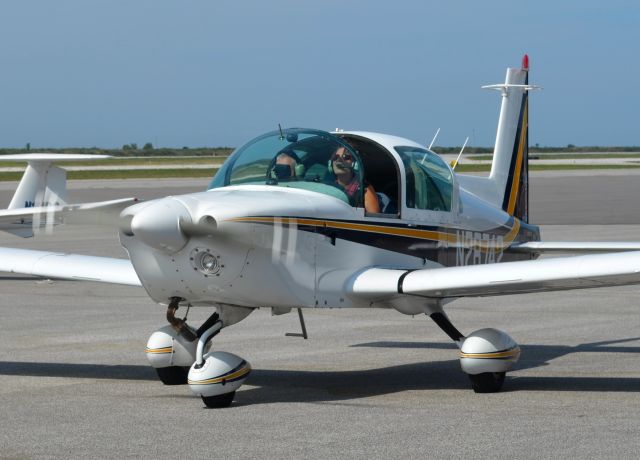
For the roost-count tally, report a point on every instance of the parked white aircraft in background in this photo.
(301, 218)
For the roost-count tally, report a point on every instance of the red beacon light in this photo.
(525, 62)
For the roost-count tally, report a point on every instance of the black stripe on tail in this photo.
(516, 196)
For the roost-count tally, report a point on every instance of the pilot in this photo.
(285, 166)
(342, 164)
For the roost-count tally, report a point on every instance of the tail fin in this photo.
(43, 184)
(508, 183)
(510, 167)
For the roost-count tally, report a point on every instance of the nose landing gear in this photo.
(217, 375)
(181, 355)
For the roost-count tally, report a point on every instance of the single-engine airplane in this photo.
(301, 218)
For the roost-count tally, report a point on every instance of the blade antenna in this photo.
(455, 163)
(281, 133)
(434, 138)
(424, 157)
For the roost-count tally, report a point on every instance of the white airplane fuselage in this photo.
(284, 247)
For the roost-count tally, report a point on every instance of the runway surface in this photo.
(74, 381)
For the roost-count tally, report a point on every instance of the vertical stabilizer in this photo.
(42, 185)
(509, 170)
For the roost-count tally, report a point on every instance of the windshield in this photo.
(297, 158)
(429, 179)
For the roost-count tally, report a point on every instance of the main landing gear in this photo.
(486, 355)
(181, 356)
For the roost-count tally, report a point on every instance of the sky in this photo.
(218, 73)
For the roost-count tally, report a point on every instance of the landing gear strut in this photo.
(180, 354)
(485, 355)
(217, 375)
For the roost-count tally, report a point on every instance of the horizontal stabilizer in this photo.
(68, 266)
(100, 213)
(588, 271)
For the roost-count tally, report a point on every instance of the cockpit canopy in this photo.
(403, 176)
(297, 158)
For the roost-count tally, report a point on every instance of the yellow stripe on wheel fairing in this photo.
(494, 355)
(236, 375)
(159, 350)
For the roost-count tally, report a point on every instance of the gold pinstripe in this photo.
(159, 350)
(244, 371)
(431, 235)
(498, 354)
(515, 185)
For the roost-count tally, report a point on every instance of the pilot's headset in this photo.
(349, 150)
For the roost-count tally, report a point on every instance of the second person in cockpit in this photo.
(342, 164)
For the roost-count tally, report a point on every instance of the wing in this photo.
(594, 270)
(68, 266)
(541, 247)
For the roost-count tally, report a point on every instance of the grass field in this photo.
(149, 166)
(566, 156)
(567, 167)
(210, 172)
(147, 161)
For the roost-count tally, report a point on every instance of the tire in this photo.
(487, 382)
(174, 375)
(219, 401)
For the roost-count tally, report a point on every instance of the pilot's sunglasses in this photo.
(344, 157)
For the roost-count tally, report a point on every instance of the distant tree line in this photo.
(132, 150)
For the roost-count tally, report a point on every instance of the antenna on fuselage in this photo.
(424, 157)
(434, 138)
(455, 163)
(281, 133)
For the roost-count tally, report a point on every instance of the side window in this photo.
(429, 179)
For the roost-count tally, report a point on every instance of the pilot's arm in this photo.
(371, 203)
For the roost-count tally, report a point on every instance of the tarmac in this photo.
(75, 383)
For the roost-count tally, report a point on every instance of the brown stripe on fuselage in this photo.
(411, 240)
